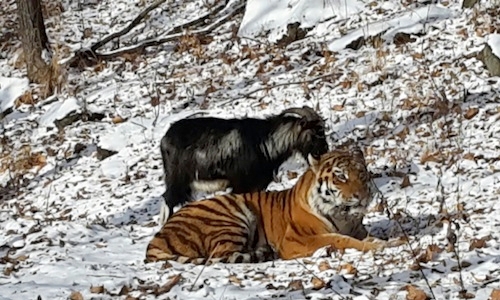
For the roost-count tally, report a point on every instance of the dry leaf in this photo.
(428, 156)
(350, 269)
(338, 107)
(168, 286)
(495, 294)
(75, 296)
(296, 285)
(360, 114)
(98, 289)
(234, 279)
(415, 293)
(306, 261)
(346, 84)
(403, 133)
(155, 101)
(379, 207)
(469, 156)
(466, 295)
(471, 113)
(124, 290)
(22, 257)
(292, 174)
(406, 182)
(118, 119)
(324, 265)
(317, 283)
(479, 243)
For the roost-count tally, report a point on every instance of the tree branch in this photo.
(89, 55)
(176, 32)
(127, 29)
(311, 80)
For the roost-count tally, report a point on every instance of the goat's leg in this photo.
(178, 193)
(253, 182)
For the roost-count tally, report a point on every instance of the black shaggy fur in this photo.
(240, 153)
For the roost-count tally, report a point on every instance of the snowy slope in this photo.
(422, 106)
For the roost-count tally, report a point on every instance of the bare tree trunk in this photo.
(34, 39)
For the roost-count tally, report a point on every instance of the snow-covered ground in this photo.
(413, 94)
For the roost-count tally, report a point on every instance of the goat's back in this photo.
(187, 132)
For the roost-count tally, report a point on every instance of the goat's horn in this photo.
(304, 112)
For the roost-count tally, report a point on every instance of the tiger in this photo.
(325, 207)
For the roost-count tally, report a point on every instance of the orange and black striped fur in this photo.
(324, 208)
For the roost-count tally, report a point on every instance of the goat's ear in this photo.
(313, 162)
(303, 123)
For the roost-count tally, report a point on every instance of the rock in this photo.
(490, 60)
(294, 33)
(73, 117)
(469, 3)
(104, 153)
(402, 38)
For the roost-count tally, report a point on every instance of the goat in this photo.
(210, 154)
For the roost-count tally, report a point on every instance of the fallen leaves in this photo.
(495, 294)
(75, 295)
(296, 285)
(317, 283)
(406, 182)
(98, 289)
(479, 243)
(168, 285)
(414, 293)
(430, 157)
(471, 113)
(429, 254)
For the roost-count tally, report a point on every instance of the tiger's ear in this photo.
(313, 162)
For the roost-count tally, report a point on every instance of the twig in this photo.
(453, 239)
(168, 286)
(107, 275)
(413, 253)
(314, 275)
(204, 266)
(174, 34)
(127, 29)
(247, 95)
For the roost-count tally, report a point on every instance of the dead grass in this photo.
(22, 161)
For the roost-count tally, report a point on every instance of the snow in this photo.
(494, 43)
(426, 110)
(411, 22)
(10, 90)
(59, 110)
(275, 15)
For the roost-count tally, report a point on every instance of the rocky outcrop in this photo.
(490, 60)
(469, 3)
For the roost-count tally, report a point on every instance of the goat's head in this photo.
(309, 129)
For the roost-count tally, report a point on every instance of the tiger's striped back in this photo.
(325, 207)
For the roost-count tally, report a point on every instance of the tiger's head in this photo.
(342, 183)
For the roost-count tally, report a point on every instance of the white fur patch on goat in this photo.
(283, 138)
(230, 143)
(210, 186)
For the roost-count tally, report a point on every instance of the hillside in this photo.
(81, 173)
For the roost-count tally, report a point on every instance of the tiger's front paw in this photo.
(396, 242)
(373, 243)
